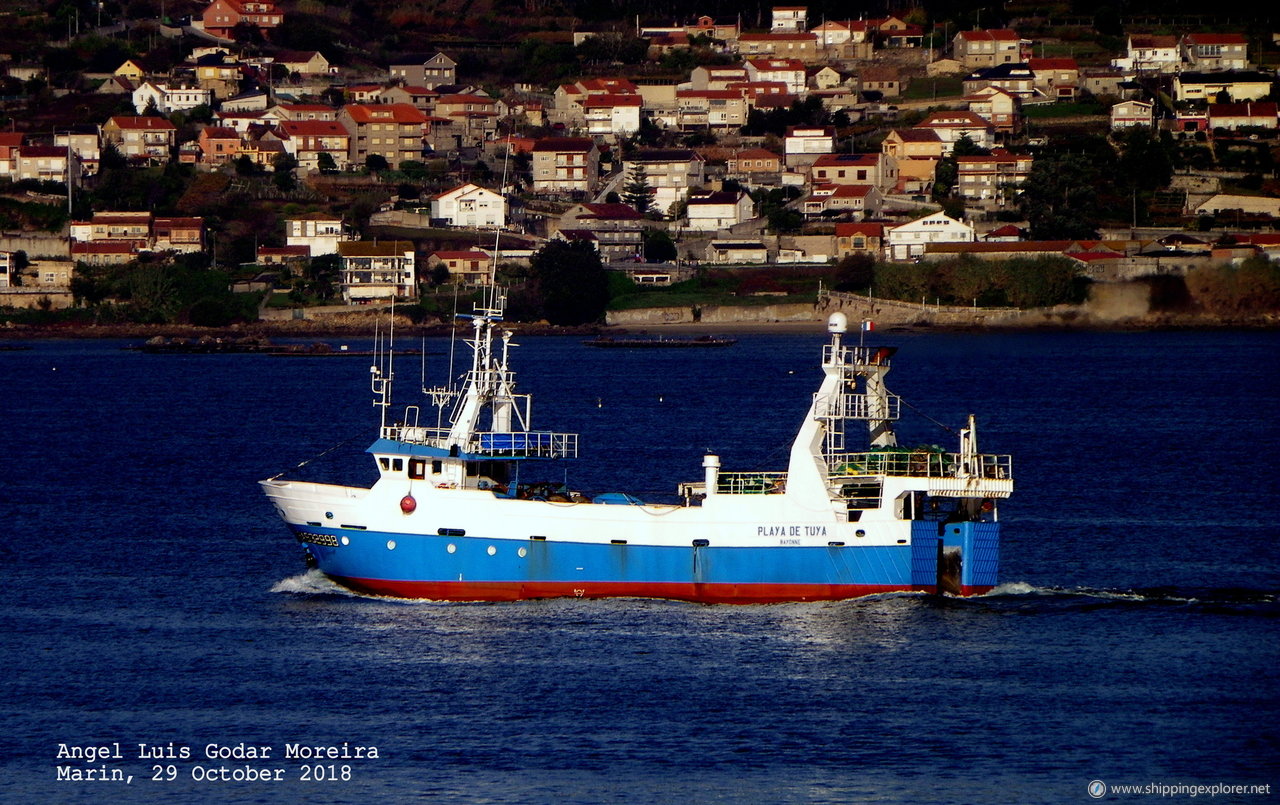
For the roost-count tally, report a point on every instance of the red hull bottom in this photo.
(697, 593)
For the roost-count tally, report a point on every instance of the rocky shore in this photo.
(1091, 316)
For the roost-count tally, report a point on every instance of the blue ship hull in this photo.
(471, 568)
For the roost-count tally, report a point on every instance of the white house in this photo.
(1150, 54)
(670, 172)
(8, 270)
(804, 144)
(952, 125)
(168, 100)
(790, 19)
(908, 241)
(610, 115)
(832, 34)
(713, 211)
(737, 251)
(319, 232)
(377, 270)
(1131, 113)
(784, 71)
(471, 206)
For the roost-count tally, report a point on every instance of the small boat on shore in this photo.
(660, 342)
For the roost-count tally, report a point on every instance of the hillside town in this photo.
(801, 147)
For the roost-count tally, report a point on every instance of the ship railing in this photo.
(858, 406)
(525, 444)
(481, 378)
(414, 434)
(519, 444)
(751, 483)
(921, 464)
(857, 356)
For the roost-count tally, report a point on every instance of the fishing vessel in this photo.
(459, 511)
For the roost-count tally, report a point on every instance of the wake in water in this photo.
(315, 583)
(312, 582)
(1146, 595)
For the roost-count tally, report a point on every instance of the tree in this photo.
(636, 191)
(376, 163)
(785, 219)
(284, 165)
(1060, 197)
(325, 163)
(966, 147)
(569, 283)
(854, 272)
(413, 170)
(658, 246)
(1145, 162)
(322, 275)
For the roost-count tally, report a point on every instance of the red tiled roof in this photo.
(834, 160)
(609, 99)
(470, 254)
(382, 112)
(1057, 63)
(284, 251)
(575, 144)
(868, 230)
(756, 153)
(1008, 230)
(1151, 41)
(1216, 39)
(457, 98)
(1266, 109)
(918, 135)
(102, 247)
(612, 211)
(46, 151)
(142, 123)
(314, 128)
(777, 38)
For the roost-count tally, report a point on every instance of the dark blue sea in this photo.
(152, 597)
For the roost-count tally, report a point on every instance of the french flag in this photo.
(868, 325)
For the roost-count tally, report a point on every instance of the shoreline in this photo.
(307, 329)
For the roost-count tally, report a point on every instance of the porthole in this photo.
(492, 550)
(346, 540)
(859, 533)
(452, 548)
(391, 545)
(521, 553)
